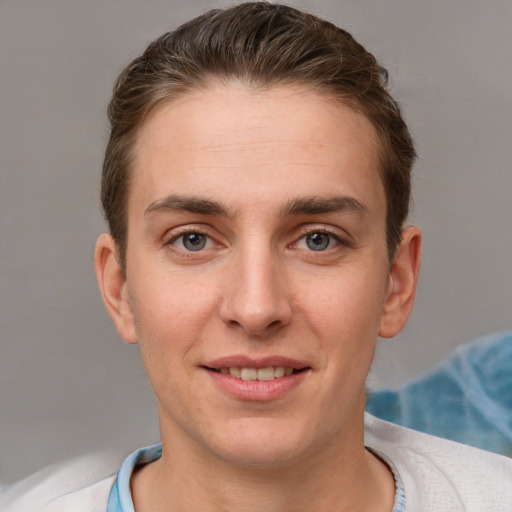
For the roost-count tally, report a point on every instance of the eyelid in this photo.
(338, 234)
(175, 233)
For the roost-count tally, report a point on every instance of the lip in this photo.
(254, 390)
(252, 362)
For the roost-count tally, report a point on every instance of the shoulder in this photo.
(442, 475)
(82, 484)
(465, 398)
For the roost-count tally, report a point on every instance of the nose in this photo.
(256, 297)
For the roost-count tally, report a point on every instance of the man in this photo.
(256, 185)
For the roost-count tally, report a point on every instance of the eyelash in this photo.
(187, 231)
(305, 232)
(309, 231)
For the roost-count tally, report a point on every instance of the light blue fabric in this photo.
(120, 499)
(466, 398)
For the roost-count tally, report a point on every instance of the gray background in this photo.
(67, 384)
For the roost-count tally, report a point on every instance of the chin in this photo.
(260, 443)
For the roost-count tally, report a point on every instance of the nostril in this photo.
(257, 313)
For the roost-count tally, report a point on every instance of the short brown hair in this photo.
(263, 45)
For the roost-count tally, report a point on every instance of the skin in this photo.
(259, 175)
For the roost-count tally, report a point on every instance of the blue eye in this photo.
(318, 241)
(192, 241)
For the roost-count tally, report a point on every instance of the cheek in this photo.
(170, 315)
(170, 327)
(348, 305)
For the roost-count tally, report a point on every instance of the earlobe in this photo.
(114, 287)
(403, 278)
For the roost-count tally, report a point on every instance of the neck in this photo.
(339, 477)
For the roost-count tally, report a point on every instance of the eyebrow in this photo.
(311, 205)
(314, 205)
(175, 203)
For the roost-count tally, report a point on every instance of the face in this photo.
(257, 274)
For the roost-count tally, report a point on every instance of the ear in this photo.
(403, 278)
(113, 287)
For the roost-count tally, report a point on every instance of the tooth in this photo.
(235, 371)
(263, 374)
(266, 373)
(249, 373)
(279, 371)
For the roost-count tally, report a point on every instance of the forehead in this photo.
(260, 143)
